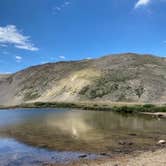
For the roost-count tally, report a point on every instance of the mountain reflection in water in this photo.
(89, 131)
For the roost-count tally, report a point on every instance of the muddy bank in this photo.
(139, 158)
(157, 158)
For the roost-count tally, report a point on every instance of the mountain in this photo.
(117, 78)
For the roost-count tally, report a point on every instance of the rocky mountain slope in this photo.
(122, 77)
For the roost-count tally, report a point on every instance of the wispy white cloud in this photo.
(6, 72)
(60, 7)
(11, 35)
(18, 59)
(57, 8)
(142, 3)
(62, 57)
(3, 45)
(66, 3)
(43, 62)
(88, 58)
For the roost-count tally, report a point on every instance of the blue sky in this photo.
(39, 31)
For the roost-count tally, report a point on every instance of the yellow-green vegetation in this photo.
(98, 107)
(68, 88)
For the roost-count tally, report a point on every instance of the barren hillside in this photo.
(117, 78)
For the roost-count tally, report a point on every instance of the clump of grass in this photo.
(31, 95)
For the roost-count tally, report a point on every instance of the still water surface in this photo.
(34, 136)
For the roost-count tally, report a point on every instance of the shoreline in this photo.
(156, 114)
(150, 157)
(148, 109)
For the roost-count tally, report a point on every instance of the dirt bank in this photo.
(157, 158)
(150, 158)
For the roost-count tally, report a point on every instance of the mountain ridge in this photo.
(128, 77)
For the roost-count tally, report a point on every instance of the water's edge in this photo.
(95, 106)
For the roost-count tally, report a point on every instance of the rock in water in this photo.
(161, 142)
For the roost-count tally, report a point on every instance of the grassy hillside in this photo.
(115, 78)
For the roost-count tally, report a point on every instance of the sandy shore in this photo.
(150, 158)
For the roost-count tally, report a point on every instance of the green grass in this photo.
(98, 107)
